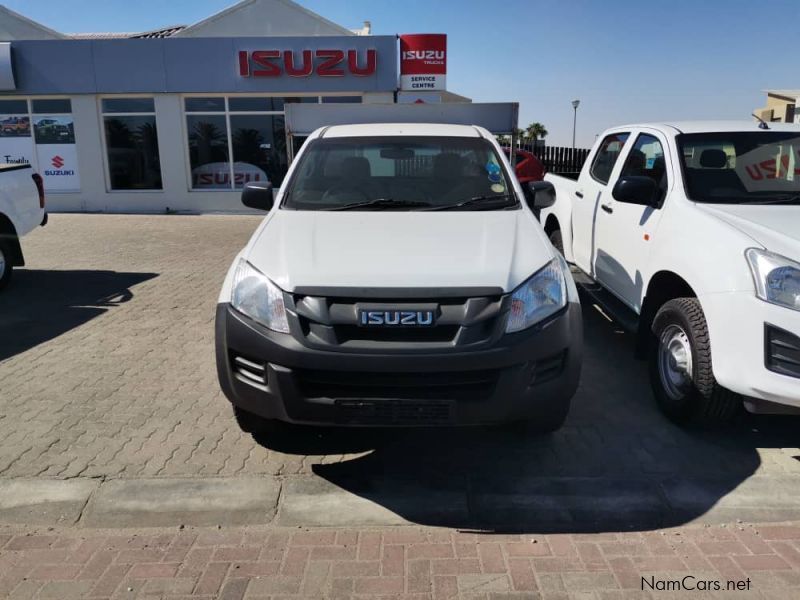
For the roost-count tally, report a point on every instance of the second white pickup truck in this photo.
(690, 234)
(21, 210)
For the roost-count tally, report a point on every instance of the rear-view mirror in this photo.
(636, 189)
(258, 195)
(539, 195)
(396, 153)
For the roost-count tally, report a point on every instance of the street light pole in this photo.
(575, 104)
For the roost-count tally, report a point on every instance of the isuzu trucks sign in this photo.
(423, 62)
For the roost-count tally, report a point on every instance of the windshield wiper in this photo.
(786, 199)
(476, 203)
(380, 203)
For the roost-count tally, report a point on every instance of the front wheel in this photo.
(680, 367)
(5, 265)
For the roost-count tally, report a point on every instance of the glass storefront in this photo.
(238, 139)
(131, 139)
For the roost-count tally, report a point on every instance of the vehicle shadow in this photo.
(40, 305)
(617, 464)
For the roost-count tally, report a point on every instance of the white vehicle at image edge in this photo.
(21, 211)
(400, 278)
(693, 229)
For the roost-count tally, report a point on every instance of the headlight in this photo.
(257, 297)
(544, 294)
(777, 278)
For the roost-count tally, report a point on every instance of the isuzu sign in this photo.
(423, 62)
(324, 63)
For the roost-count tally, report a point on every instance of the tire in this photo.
(557, 240)
(252, 423)
(680, 367)
(6, 269)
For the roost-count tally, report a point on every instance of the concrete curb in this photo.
(198, 502)
(44, 501)
(569, 504)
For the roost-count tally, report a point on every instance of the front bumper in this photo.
(513, 380)
(737, 325)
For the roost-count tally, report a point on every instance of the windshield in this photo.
(741, 167)
(399, 173)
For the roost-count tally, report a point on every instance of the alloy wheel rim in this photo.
(675, 362)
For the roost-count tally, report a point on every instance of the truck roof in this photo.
(400, 129)
(712, 126)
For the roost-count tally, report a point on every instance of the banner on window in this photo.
(16, 143)
(56, 152)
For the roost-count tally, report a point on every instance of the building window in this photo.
(236, 140)
(131, 143)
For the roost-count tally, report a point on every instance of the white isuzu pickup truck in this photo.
(21, 210)
(690, 234)
(399, 279)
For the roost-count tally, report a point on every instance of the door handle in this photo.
(579, 194)
(607, 208)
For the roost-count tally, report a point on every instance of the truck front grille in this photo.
(782, 351)
(326, 322)
(393, 412)
(341, 385)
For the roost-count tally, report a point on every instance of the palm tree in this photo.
(535, 131)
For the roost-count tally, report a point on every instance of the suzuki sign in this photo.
(423, 62)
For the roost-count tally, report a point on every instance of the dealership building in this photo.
(181, 118)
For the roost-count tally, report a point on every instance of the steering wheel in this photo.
(343, 190)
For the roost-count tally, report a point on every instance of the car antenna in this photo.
(762, 124)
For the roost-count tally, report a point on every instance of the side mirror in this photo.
(258, 195)
(636, 189)
(539, 195)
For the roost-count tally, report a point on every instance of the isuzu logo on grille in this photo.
(395, 318)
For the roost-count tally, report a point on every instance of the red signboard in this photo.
(423, 61)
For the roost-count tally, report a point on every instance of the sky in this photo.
(626, 61)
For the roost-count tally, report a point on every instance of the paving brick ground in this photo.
(230, 564)
(107, 370)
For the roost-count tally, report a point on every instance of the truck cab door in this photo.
(624, 231)
(593, 188)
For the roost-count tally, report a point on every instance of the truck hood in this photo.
(413, 249)
(775, 227)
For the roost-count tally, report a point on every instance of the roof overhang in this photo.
(498, 117)
(7, 82)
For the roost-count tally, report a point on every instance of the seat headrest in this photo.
(636, 161)
(713, 158)
(356, 167)
(447, 165)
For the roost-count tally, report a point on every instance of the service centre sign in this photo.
(423, 62)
